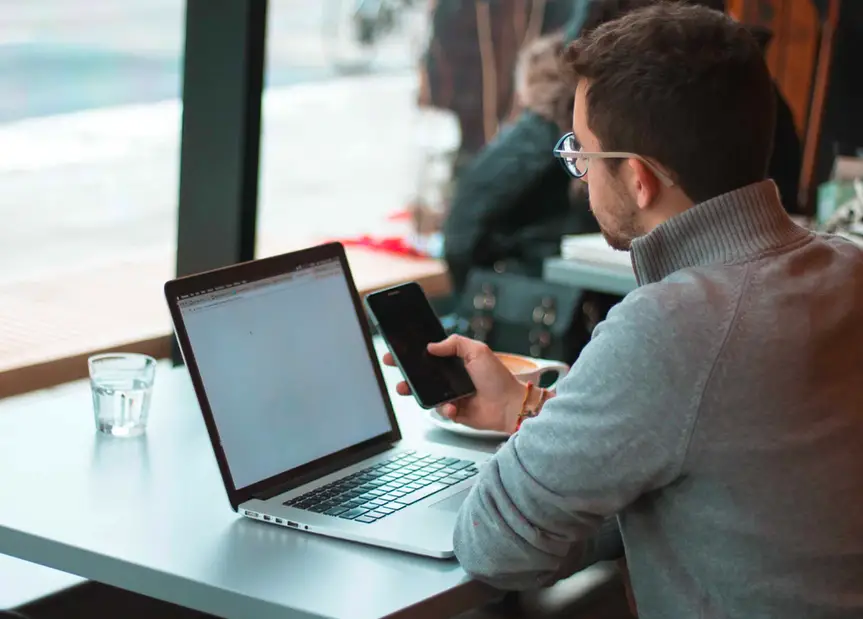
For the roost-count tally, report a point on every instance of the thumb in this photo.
(453, 346)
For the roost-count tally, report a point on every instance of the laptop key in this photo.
(462, 464)
(336, 511)
(467, 473)
(448, 461)
(350, 515)
(386, 511)
(394, 506)
(365, 519)
(375, 514)
(419, 495)
(377, 502)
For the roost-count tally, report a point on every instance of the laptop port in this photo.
(292, 524)
(251, 514)
(267, 518)
(279, 521)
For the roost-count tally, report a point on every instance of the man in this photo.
(718, 410)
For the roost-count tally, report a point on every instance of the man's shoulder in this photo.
(685, 300)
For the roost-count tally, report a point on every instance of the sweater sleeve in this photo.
(618, 428)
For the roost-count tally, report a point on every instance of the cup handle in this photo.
(554, 366)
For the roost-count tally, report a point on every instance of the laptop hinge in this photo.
(302, 480)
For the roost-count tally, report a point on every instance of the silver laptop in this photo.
(302, 426)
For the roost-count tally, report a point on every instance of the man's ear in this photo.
(645, 184)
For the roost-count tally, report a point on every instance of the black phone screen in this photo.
(408, 324)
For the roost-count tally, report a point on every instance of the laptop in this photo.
(298, 414)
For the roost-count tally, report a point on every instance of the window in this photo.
(89, 122)
(399, 96)
(341, 129)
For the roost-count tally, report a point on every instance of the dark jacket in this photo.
(511, 207)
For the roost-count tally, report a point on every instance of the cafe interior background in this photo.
(127, 160)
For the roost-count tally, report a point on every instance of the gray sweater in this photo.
(718, 412)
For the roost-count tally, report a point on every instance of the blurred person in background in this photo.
(512, 202)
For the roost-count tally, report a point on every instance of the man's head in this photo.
(687, 90)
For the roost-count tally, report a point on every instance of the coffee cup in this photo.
(529, 370)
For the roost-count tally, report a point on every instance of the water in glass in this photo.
(121, 384)
(121, 406)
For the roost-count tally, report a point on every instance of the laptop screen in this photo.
(286, 370)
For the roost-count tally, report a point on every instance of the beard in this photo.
(616, 241)
(619, 225)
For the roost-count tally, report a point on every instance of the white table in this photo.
(150, 515)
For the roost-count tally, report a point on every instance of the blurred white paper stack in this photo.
(594, 249)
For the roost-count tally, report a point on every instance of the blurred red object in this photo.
(393, 245)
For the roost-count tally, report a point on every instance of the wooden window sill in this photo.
(51, 324)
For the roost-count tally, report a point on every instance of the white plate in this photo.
(445, 424)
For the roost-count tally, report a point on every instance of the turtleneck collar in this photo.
(733, 227)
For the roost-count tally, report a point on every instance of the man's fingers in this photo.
(456, 346)
(388, 360)
(403, 389)
(450, 411)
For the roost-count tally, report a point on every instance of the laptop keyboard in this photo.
(386, 487)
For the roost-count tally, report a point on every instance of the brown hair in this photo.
(603, 11)
(685, 86)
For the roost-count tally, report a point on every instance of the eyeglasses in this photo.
(575, 161)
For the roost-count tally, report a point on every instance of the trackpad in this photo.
(451, 504)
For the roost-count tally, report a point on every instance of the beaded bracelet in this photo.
(525, 411)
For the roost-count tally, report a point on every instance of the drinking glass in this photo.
(122, 384)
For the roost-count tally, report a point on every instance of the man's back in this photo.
(718, 411)
(766, 516)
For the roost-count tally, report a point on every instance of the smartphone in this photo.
(407, 322)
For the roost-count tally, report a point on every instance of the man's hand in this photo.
(499, 394)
